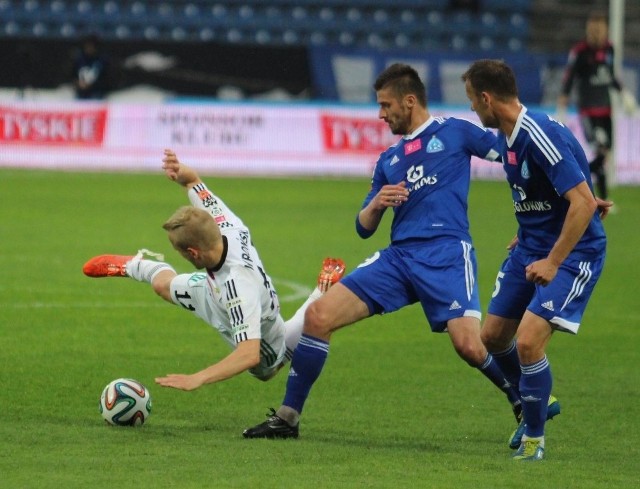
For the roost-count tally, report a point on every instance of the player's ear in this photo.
(193, 252)
(410, 100)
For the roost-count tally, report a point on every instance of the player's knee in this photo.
(529, 351)
(316, 320)
(471, 351)
(491, 340)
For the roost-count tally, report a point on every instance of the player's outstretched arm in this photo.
(179, 172)
(244, 357)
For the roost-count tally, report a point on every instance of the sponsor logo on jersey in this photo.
(455, 305)
(208, 200)
(412, 146)
(435, 145)
(532, 206)
(524, 170)
(415, 175)
(394, 160)
(511, 158)
(233, 303)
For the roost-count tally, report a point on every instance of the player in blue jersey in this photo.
(424, 178)
(546, 281)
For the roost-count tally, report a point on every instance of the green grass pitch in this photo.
(394, 407)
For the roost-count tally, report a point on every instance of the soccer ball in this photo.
(125, 402)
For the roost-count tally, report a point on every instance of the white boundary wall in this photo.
(225, 138)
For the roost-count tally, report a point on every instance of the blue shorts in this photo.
(440, 274)
(562, 302)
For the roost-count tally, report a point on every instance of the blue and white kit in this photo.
(542, 161)
(431, 259)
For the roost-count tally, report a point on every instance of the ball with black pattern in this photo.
(125, 402)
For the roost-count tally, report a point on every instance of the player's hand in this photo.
(179, 381)
(604, 207)
(391, 196)
(513, 243)
(178, 172)
(541, 272)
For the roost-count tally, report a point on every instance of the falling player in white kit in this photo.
(233, 294)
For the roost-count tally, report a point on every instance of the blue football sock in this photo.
(535, 389)
(491, 370)
(306, 365)
(509, 364)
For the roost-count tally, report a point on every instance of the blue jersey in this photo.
(543, 160)
(435, 163)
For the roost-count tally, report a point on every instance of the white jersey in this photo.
(237, 298)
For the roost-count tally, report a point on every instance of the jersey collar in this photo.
(217, 268)
(516, 128)
(419, 130)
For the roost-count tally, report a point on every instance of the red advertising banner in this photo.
(342, 133)
(52, 127)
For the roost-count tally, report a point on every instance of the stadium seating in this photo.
(383, 24)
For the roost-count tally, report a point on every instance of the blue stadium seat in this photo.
(404, 24)
(487, 43)
(489, 20)
(318, 38)
(459, 42)
(206, 34)
(290, 37)
(67, 29)
(463, 24)
(514, 44)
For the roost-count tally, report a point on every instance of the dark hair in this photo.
(403, 80)
(492, 76)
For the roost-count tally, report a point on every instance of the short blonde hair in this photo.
(190, 227)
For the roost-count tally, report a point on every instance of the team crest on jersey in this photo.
(524, 170)
(435, 145)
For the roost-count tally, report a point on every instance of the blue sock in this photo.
(509, 364)
(535, 388)
(306, 365)
(492, 371)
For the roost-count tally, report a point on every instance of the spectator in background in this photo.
(590, 67)
(90, 70)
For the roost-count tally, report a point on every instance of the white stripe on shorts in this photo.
(468, 268)
(579, 282)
